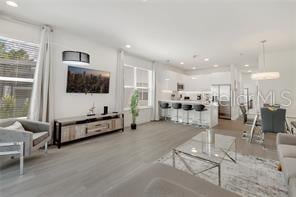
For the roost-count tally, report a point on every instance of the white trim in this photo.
(137, 67)
(19, 41)
(131, 87)
(17, 79)
(140, 108)
(138, 87)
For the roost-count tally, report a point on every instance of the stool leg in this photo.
(187, 117)
(177, 115)
(200, 119)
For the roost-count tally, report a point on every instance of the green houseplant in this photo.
(134, 108)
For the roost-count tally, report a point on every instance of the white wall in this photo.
(145, 114)
(163, 86)
(19, 31)
(101, 58)
(250, 84)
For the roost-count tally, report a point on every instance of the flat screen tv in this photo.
(84, 80)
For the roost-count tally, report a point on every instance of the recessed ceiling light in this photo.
(193, 77)
(216, 66)
(193, 68)
(246, 65)
(12, 4)
(167, 79)
(181, 63)
(206, 59)
(128, 46)
(249, 71)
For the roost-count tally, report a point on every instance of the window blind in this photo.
(17, 68)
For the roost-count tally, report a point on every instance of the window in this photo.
(17, 68)
(137, 79)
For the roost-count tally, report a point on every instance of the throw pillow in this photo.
(15, 126)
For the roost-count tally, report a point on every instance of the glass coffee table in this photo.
(213, 152)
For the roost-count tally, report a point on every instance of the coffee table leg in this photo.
(219, 175)
(235, 149)
(21, 158)
(174, 162)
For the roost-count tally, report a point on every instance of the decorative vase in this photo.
(133, 126)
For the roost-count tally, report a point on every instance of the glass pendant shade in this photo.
(265, 76)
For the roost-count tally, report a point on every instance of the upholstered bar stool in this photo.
(200, 108)
(187, 108)
(165, 107)
(177, 106)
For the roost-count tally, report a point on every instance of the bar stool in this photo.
(177, 106)
(165, 106)
(200, 108)
(187, 108)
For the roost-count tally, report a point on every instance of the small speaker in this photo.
(105, 109)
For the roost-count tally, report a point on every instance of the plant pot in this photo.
(133, 126)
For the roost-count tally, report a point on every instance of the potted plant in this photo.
(134, 108)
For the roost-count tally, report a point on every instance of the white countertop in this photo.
(188, 102)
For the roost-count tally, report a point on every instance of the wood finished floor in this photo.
(89, 167)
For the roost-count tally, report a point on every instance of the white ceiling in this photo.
(173, 30)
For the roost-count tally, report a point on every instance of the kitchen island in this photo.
(208, 117)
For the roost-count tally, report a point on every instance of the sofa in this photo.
(286, 148)
(160, 180)
(34, 134)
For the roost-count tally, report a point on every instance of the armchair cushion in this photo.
(289, 167)
(285, 150)
(286, 139)
(160, 187)
(39, 137)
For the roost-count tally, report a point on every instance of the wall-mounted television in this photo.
(84, 80)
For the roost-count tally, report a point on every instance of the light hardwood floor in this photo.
(89, 167)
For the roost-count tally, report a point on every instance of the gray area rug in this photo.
(250, 176)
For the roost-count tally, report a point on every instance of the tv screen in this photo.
(84, 80)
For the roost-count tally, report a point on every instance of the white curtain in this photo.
(41, 108)
(119, 90)
(153, 96)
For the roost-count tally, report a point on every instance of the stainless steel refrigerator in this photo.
(222, 94)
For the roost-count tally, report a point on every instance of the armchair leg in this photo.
(45, 147)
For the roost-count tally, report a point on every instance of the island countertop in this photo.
(191, 102)
(210, 116)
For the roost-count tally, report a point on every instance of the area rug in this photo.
(250, 176)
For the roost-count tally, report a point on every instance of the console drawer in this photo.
(98, 126)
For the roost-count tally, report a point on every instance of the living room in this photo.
(147, 98)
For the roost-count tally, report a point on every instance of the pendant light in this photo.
(75, 58)
(264, 75)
